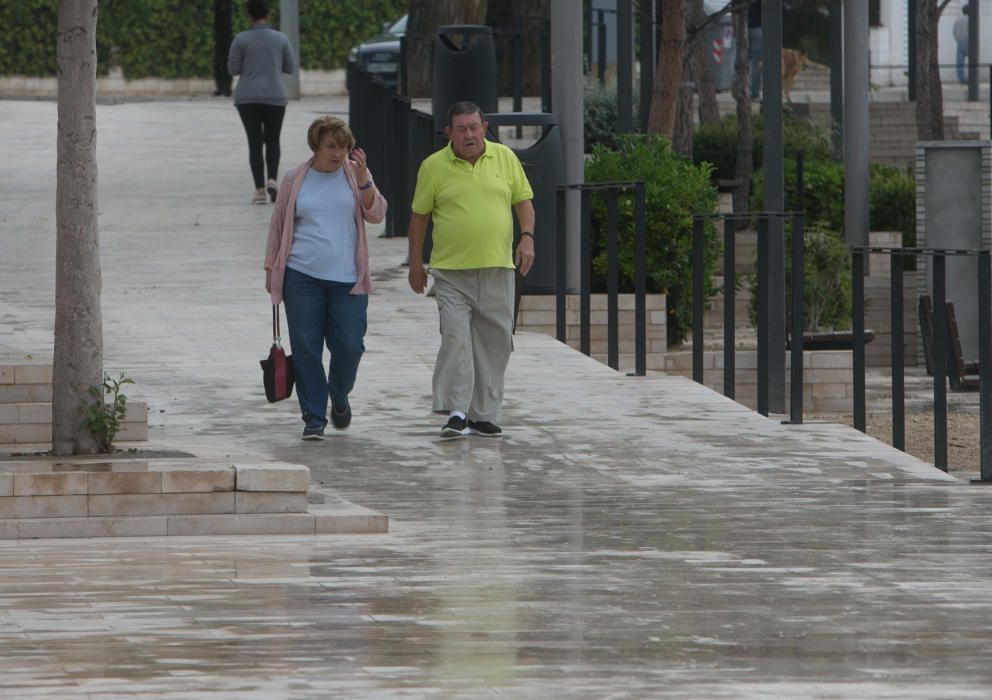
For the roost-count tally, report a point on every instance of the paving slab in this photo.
(628, 537)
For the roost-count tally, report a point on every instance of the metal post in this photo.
(612, 282)
(911, 43)
(584, 275)
(289, 24)
(800, 183)
(858, 340)
(898, 354)
(560, 290)
(403, 78)
(763, 232)
(566, 57)
(517, 72)
(625, 66)
(985, 361)
(546, 77)
(640, 281)
(771, 111)
(647, 60)
(698, 241)
(729, 297)
(974, 37)
(798, 255)
(856, 128)
(940, 338)
(837, 76)
(601, 47)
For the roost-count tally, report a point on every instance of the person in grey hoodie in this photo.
(260, 55)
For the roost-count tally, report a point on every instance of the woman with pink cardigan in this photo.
(317, 263)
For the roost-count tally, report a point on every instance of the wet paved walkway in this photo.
(628, 538)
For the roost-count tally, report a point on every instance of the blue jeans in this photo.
(755, 50)
(962, 63)
(319, 312)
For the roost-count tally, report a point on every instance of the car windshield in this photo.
(399, 28)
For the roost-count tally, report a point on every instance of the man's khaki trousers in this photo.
(476, 313)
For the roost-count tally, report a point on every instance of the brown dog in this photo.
(793, 63)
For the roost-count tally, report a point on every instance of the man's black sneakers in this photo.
(341, 418)
(454, 428)
(313, 432)
(484, 428)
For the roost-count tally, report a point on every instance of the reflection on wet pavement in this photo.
(628, 538)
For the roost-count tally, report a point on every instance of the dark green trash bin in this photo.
(544, 166)
(464, 68)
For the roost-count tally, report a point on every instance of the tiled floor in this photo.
(628, 538)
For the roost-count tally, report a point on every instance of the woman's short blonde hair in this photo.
(338, 131)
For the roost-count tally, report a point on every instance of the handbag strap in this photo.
(276, 336)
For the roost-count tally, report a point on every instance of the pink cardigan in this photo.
(281, 227)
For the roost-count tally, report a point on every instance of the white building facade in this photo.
(889, 42)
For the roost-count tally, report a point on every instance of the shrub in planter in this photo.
(674, 189)
(892, 201)
(717, 144)
(891, 196)
(823, 191)
(826, 281)
(600, 104)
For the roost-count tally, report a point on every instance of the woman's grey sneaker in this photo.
(315, 432)
(454, 428)
(342, 419)
(484, 428)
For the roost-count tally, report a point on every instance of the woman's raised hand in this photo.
(359, 158)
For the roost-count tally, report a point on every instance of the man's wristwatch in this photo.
(527, 233)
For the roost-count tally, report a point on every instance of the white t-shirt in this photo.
(324, 230)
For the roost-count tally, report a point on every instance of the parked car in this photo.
(380, 54)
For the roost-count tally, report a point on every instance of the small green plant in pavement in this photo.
(106, 410)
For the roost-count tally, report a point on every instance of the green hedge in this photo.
(717, 144)
(600, 107)
(174, 38)
(674, 189)
(891, 196)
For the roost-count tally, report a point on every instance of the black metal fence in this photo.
(395, 137)
(941, 346)
(730, 222)
(612, 191)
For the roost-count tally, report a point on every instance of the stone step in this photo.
(102, 476)
(31, 422)
(101, 497)
(333, 519)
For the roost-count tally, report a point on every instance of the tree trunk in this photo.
(744, 164)
(709, 110)
(929, 93)
(425, 16)
(668, 75)
(78, 360)
(529, 17)
(682, 134)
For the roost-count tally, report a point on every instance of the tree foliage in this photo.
(174, 38)
(675, 188)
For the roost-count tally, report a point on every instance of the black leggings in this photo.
(262, 125)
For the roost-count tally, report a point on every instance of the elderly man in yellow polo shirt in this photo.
(469, 188)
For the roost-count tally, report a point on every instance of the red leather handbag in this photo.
(277, 368)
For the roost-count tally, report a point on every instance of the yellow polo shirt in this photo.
(471, 206)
